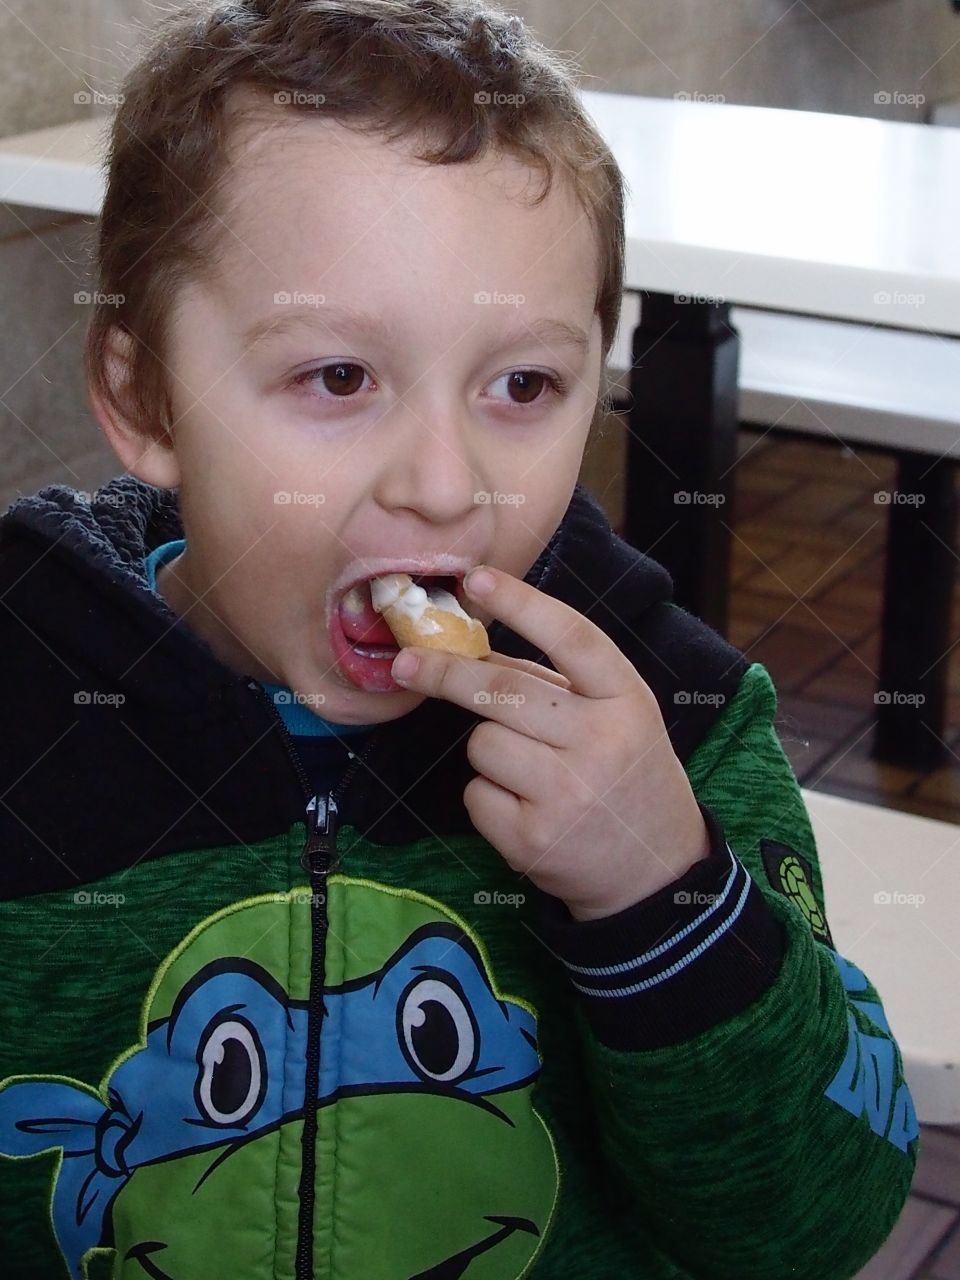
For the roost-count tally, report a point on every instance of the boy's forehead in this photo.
(267, 138)
(312, 194)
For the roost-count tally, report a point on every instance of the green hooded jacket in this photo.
(260, 1025)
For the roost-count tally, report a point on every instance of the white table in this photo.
(56, 168)
(792, 210)
(842, 217)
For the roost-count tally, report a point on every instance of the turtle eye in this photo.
(437, 1031)
(232, 1077)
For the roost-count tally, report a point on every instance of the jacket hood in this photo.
(80, 616)
(106, 536)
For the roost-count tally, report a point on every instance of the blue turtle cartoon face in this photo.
(431, 1161)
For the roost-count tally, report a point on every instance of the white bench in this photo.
(847, 382)
(907, 941)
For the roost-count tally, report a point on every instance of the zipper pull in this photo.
(320, 848)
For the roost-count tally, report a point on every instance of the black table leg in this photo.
(682, 446)
(918, 588)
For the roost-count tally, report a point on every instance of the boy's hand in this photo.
(578, 786)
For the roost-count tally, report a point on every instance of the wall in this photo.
(822, 55)
(831, 55)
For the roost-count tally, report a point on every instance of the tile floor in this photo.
(806, 525)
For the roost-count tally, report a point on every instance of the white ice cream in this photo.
(391, 591)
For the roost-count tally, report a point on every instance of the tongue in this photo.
(361, 622)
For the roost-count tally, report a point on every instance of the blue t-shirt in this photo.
(322, 745)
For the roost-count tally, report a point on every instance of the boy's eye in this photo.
(342, 379)
(524, 386)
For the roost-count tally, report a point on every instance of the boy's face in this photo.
(381, 435)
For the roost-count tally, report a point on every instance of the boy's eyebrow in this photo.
(550, 331)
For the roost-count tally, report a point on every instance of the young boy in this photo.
(319, 968)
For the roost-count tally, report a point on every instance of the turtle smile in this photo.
(452, 1268)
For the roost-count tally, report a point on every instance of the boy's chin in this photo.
(348, 704)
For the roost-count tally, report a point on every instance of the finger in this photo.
(511, 760)
(517, 699)
(528, 665)
(577, 647)
(493, 811)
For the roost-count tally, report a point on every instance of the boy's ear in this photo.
(148, 457)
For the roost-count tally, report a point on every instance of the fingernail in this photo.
(404, 665)
(479, 581)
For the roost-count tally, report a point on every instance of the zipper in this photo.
(319, 859)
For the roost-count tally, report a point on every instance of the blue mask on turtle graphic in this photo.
(227, 1065)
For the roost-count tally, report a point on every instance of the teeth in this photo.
(357, 599)
(353, 601)
(370, 651)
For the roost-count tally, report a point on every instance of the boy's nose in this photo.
(434, 470)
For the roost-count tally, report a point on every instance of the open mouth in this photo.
(363, 644)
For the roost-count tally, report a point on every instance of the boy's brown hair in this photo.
(427, 70)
